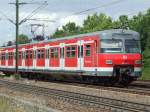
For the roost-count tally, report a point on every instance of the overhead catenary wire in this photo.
(90, 9)
(29, 16)
(93, 8)
(7, 18)
(34, 12)
(86, 10)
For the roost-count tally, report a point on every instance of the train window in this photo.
(42, 53)
(132, 46)
(62, 52)
(68, 52)
(20, 55)
(6, 56)
(27, 53)
(9, 56)
(31, 54)
(80, 51)
(54, 52)
(23, 55)
(47, 53)
(111, 45)
(39, 54)
(3, 56)
(88, 50)
(71, 51)
(35, 54)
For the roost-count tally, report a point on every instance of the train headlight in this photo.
(109, 62)
(138, 62)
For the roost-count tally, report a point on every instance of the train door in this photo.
(3, 58)
(62, 55)
(90, 54)
(29, 58)
(40, 58)
(54, 57)
(80, 55)
(71, 57)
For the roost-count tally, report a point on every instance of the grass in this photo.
(146, 73)
(5, 106)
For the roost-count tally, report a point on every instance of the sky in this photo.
(61, 11)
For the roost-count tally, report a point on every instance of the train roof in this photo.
(103, 34)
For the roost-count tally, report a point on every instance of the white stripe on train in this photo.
(108, 69)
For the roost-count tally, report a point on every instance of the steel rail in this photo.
(133, 88)
(77, 98)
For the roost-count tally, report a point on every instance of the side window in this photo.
(68, 52)
(35, 54)
(88, 50)
(31, 54)
(54, 52)
(23, 55)
(80, 51)
(3, 56)
(71, 51)
(38, 54)
(20, 55)
(62, 52)
(42, 53)
(27, 53)
(6, 56)
(11, 55)
(47, 53)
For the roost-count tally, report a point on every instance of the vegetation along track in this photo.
(88, 100)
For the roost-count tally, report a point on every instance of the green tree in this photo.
(97, 22)
(23, 39)
(123, 22)
(69, 29)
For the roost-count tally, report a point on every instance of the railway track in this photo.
(77, 98)
(139, 87)
(136, 88)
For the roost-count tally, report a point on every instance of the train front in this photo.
(121, 53)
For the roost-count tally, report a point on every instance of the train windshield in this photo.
(111, 45)
(132, 46)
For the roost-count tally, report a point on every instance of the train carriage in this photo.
(112, 55)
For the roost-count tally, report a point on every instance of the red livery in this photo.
(111, 55)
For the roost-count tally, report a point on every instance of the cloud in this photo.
(56, 11)
(60, 19)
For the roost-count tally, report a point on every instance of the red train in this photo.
(112, 56)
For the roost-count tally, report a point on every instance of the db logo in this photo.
(124, 57)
